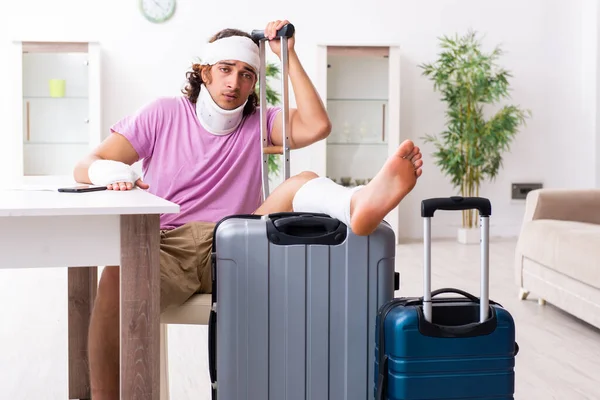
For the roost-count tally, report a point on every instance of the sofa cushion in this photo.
(571, 248)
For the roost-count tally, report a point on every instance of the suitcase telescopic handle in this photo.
(454, 203)
(286, 31)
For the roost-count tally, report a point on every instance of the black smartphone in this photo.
(81, 189)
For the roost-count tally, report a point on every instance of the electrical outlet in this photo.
(520, 190)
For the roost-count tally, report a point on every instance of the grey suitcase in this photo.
(295, 299)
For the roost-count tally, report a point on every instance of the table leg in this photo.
(82, 292)
(140, 307)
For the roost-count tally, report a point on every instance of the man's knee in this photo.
(306, 176)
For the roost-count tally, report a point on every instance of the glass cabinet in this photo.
(60, 96)
(358, 121)
(357, 103)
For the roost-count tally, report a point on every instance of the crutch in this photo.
(283, 34)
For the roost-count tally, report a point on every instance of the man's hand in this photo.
(115, 175)
(271, 31)
(127, 185)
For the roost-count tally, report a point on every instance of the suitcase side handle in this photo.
(212, 348)
(455, 203)
(286, 31)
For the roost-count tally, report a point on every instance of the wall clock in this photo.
(157, 11)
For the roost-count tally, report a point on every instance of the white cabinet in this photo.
(361, 89)
(59, 93)
(358, 120)
(358, 106)
(55, 121)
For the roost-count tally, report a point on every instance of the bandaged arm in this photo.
(105, 172)
(116, 155)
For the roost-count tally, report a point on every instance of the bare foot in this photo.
(370, 204)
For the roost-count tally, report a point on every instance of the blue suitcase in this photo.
(458, 347)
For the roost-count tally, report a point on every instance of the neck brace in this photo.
(215, 119)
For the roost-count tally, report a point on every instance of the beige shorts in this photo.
(185, 262)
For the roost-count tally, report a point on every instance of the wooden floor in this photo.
(559, 355)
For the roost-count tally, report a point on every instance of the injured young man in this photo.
(200, 150)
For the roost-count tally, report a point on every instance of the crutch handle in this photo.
(286, 31)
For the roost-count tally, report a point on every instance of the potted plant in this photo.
(470, 148)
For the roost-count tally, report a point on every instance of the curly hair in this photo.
(194, 77)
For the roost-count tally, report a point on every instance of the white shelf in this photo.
(55, 98)
(359, 99)
(31, 143)
(384, 144)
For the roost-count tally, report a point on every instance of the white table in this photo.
(45, 228)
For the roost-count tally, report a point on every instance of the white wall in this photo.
(543, 43)
(543, 39)
(589, 77)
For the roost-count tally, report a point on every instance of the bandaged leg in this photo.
(322, 195)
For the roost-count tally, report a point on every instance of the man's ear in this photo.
(205, 73)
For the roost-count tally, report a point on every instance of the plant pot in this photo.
(469, 235)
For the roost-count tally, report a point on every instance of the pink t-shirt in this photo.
(208, 176)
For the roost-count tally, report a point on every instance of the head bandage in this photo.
(239, 48)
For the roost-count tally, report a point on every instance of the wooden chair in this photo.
(195, 311)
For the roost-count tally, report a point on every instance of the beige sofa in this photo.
(558, 251)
